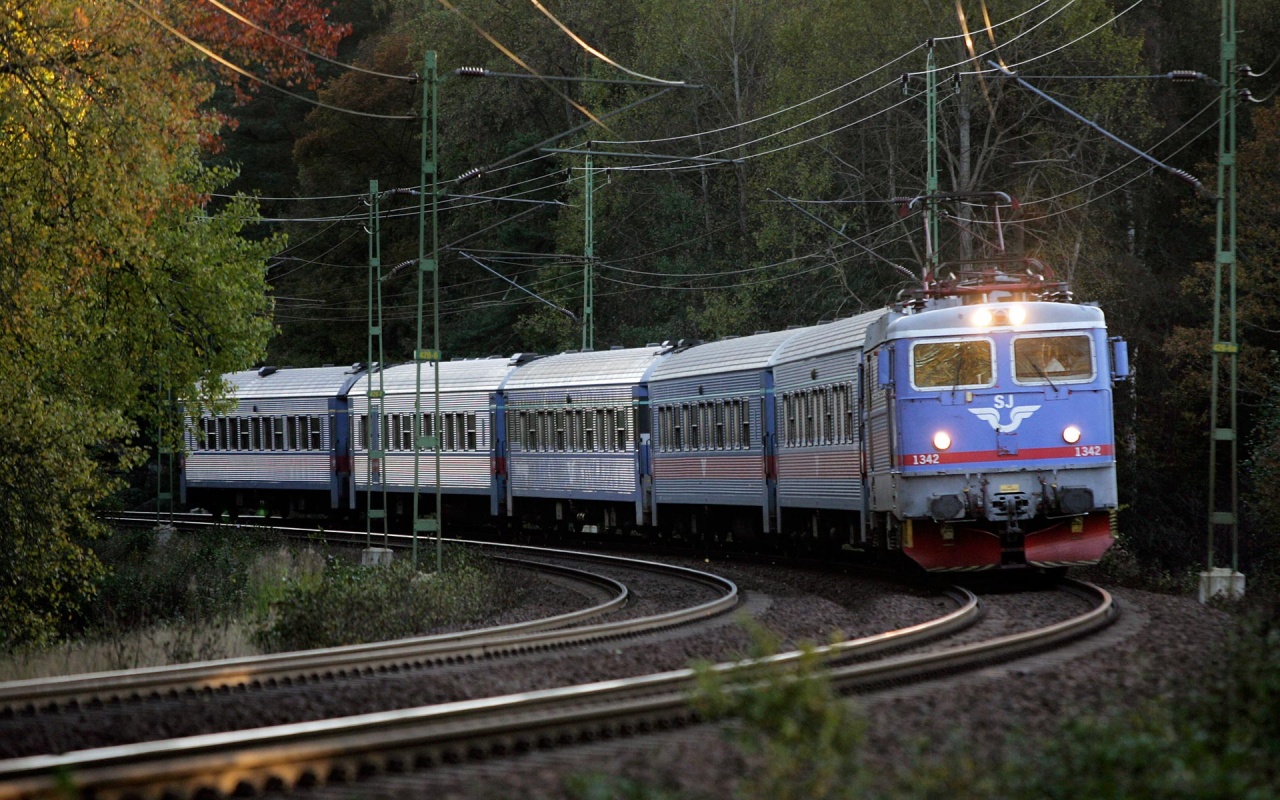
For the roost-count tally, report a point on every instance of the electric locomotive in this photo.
(989, 437)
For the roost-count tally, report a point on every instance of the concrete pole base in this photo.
(376, 556)
(1221, 582)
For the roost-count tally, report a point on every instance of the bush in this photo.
(354, 604)
(1218, 738)
(171, 577)
(800, 735)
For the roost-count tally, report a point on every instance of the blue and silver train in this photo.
(968, 427)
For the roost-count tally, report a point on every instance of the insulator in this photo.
(472, 72)
(471, 174)
(1185, 75)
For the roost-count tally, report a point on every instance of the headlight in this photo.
(1017, 315)
(982, 317)
(1071, 434)
(941, 440)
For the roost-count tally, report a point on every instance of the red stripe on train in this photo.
(1025, 454)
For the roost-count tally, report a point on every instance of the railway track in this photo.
(413, 653)
(343, 749)
(303, 753)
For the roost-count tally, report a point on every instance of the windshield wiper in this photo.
(1042, 373)
(955, 379)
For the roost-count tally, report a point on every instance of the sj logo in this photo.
(1016, 415)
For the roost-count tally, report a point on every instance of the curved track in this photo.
(300, 754)
(416, 652)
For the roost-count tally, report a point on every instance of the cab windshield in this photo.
(1053, 359)
(955, 364)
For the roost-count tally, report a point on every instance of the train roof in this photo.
(480, 374)
(591, 368)
(831, 337)
(726, 355)
(272, 382)
(958, 319)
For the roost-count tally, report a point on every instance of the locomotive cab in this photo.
(990, 438)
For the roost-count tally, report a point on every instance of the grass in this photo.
(176, 598)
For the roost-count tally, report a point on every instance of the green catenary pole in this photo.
(1225, 261)
(588, 254)
(931, 180)
(428, 265)
(374, 429)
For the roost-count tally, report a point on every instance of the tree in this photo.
(118, 287)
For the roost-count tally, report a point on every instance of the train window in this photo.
(210, 440)
(224, 439)
(692, 436)
(828, 415)
(589, 431)
(473, 433)
(719, 412)
(952, 364)
(746, 423)
(316, 432)
(242, 433)
(621, 442)
(850, 431)
(1052, 359)
(807, 419)
(735, 424)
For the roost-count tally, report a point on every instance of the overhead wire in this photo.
(286, 41)
(488, 37)
(593, 51)
(1059, 48)
(1121, 167)
(256, 79)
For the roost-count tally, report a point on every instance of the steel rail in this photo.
(415, 652)
(301, 665)
(301, 753)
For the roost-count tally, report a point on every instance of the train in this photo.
(968, 426)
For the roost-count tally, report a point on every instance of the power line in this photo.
(246, 73)
(286, 41)
(582, 43)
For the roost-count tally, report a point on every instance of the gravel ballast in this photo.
(1157, 639)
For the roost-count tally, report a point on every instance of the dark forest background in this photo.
(821, 102)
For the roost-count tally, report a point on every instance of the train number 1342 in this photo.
(920, 459)
(1091, 450)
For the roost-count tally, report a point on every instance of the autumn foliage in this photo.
(273, 45)
(119, 285)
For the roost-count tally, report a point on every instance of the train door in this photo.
(879, 436)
